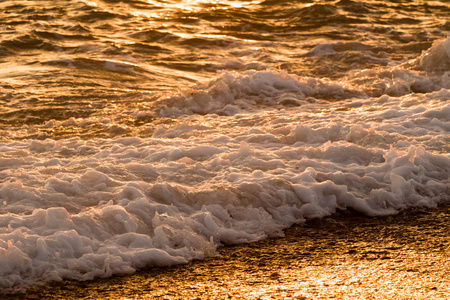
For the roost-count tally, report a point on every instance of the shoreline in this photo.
(345, 256)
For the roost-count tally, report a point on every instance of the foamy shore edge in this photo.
(344, 256)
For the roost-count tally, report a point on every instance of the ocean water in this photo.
(137, 133)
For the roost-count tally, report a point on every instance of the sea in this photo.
(141, 133)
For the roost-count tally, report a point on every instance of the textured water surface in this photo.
(149, 133)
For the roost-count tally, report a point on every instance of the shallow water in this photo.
(148, 133)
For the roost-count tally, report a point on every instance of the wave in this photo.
(98, 64)
(26, 43)
(233, 91)
(436, 59)
(427, 73)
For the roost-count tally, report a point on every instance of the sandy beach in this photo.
(346, 256)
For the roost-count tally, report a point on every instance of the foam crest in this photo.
(233, 91)
(428, 73)
(437, 58)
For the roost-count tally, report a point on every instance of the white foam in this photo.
(83, 209)
(429, 72)
(233, 91)
(437, 58)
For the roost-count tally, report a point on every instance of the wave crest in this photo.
(233, 91)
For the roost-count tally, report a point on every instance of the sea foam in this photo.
(247, 155)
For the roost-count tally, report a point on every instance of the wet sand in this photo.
(346, 256)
